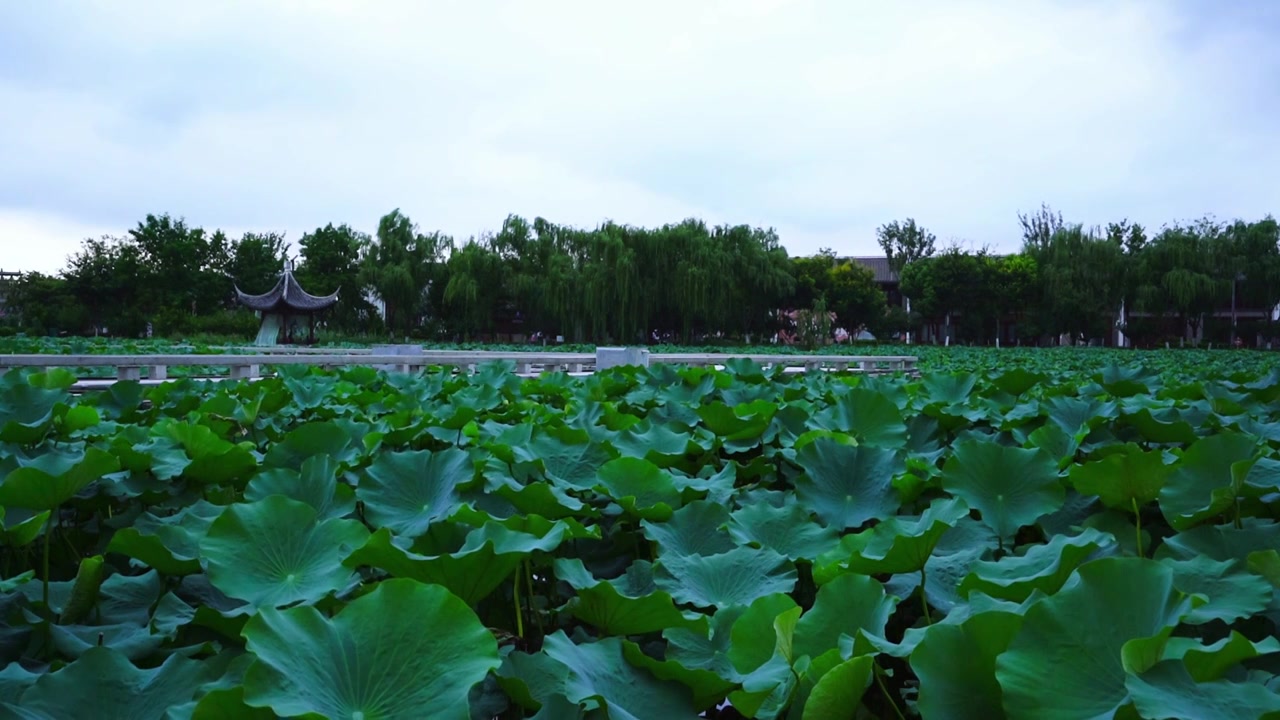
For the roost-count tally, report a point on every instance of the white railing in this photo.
(247, 366)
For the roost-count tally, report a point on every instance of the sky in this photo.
(823, 119)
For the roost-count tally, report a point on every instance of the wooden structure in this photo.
(281, 306)
(241, 366)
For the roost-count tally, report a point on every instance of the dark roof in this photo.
(879, 265)
(286, 295)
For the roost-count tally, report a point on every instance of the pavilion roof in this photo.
(286, 295)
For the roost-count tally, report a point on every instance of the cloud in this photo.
(822, 118)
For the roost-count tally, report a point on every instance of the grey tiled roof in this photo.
(879, 265)
(286, 294)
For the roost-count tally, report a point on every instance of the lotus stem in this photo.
(875, 670)
(1137, 520)
(515, 591)
(44, 572)
(924, 600)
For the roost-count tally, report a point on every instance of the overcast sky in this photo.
(821, 118)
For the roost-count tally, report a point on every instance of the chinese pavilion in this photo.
(283, 308)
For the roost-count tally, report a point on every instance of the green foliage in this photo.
(671, 541)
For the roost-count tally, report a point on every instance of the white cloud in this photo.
(823, 118)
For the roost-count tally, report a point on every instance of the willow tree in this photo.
(399, 265)
(1184, 272)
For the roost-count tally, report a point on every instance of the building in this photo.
(283, 307)
(7, 279)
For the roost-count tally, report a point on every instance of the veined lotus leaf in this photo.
(867, 415)
(599, 672)
(488, 557)
(1211, 662)
(1167, 690)
(899, 544)
(315, 484)
(851, 604)
(1222, 542)
(273, 552)
(407, 491)
(1079, 638)
(1232, 592)
(707, 687)
(1077, 416)
(736, 577)
(329, 437)
(846, 486)
(1123, 478)
(533, 680)
(741, 426)
(695, 529)
(170, 544)
(1056, 443)
(404, 650)
(1169, 427)
(839, 691)
(707, 647)
(1204, 482)
(788, 530)
(956, 665)
(1017, 380)
(640, 487)
(567, 460)
(1010, 487)
(1042, 567)
(214, 460)
(753, 635)
(54, 477)
(103, 685)
(656, 442)
(627, 605)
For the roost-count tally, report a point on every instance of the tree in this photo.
(1037, 229)
(855, 298)
(473, 292)
(1081, 279)
(1185, 272)
(256, 261)
(331, 263)
(400, 265)
(904, 243)
(44, 305)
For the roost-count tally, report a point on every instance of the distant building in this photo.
(7, 278)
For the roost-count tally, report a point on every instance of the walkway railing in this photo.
(245, 366)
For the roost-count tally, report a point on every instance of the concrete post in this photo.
(607, 357)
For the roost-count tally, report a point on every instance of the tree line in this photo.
(680, 282)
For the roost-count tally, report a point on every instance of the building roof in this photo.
(286, 295)
(879, 265)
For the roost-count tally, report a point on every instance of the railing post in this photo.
(244, 372)
(128, 372)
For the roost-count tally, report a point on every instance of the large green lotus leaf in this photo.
(767, 633)
(708, 688)
(656, 442)
(532, 681)
(753, 637)
(1205, 479)
(1056, 443)
(314, 438)
(26, 531)
(1167, 690)
(404, 650)
(956, 665)
(867, 415)
(1010, 487)
(1168, 428)
(899, 544)
(695, 529)
(567, 460)
(1078, 638)
(741, 426)
(408, 491)
(640, 487)
(1263, 478)
(488, 557)
(627, 605)
(838, 692)
(14, 680)
(531, 495)
(214, 460)
(315, 484)
(132, 641)
(1211, 662)
(708, 647)
(103, 685)
(846, 486)
(273, 552)
(1042, 567)
(1077, 416)
(851, 604)
(54, 477)
(1231, 591)
(170, 543)
(599, 672)
(1123, 478)
(788, 530)
(735, 577)
(1223, 542)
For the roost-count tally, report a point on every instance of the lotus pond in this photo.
(989, 542)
